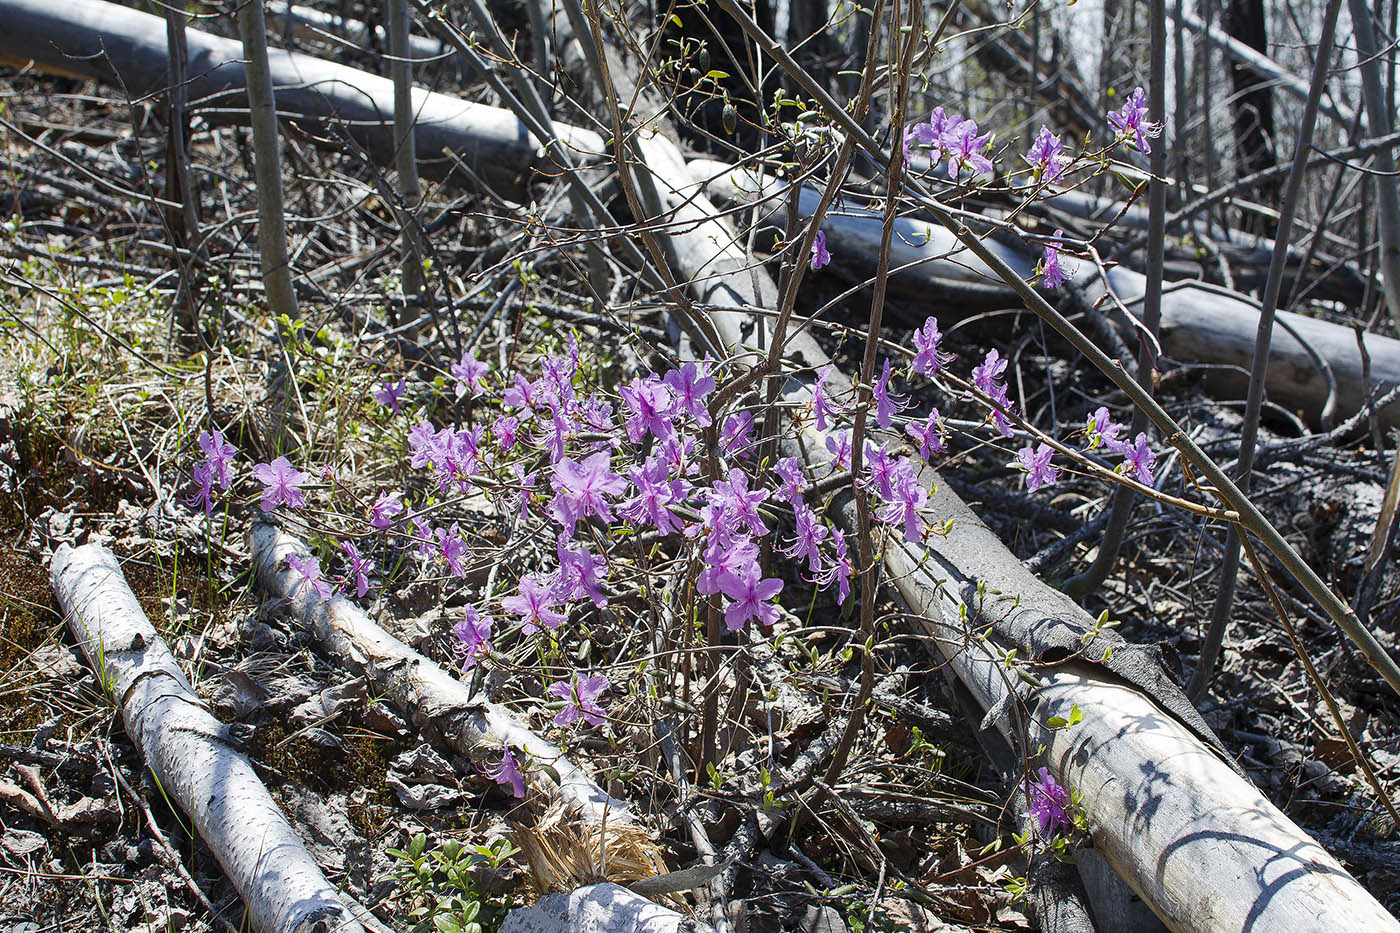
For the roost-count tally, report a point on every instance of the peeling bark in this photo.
(193, 756)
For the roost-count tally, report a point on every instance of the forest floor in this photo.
(103, 393)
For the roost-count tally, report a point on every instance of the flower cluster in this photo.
(952, 136)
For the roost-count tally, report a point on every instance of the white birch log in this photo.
(191, 753)
(599, 908)
(421, 688)
(100, 40)
(310, 23)
(1199, 843)
(1199, 324)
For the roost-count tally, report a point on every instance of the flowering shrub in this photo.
(599, 475)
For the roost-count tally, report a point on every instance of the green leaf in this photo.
(417, 845)
(445, 923)
(716, 74)
(677, 20)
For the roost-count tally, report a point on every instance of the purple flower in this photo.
(656, 493)
(505, 428)
(886, 405)
(909, 497)
(521, 396)
(736, 438)
(580, 700)
(219, 454)
(933, 135)
(1052, 270)
(580, 575)
(1048, 801)
(1138, 460)
(810, 534)
(740, 502)
(452, 549)
(790, 472)
(1132, 124)
(964, 148)
(985, 376)
(282, 483)
(690, 385)
(474, 635)
(582, 489)
(648, 402)
(929, 360)
(389, 394)
(1036, 463)
(384, 510)
(508, 772)
(751, 594)
(820, 255)
(534, 603)
(1044, 156)
(839, 444)
(421, 438)
(470, 374)
(929, 435)
(879, 468)
(425, 536)
(723, 553)
(1102, 430)
(826, 413)
(556, 435)
(203, 474)
(309, 568)
(357, 568)
(840, 568)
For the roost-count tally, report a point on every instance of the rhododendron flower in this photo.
(580, 700)
(909, 497)
(656, 493)
(1052, 269)
(1036, 463)
(740, 502)
(1132, 124)
(820, 255)
(425, 537)
(1048, 802)
(470, 374)
(219, 454)
(534, 603)
(521, 396)
(751, 593)
(810, 534)
(839, 444)
(203, 474)
(357, 569)
(964, 148)
(526, 482)
(508, 773)
(505, 428)
(388, 394)
(826, 413)
(794, 482)
(452, 549)
(474, 635)
(383, 511)
(840, 568)
(878, 468)
(282, 484)
(580, 575)
(929, 360)
(309, 568)
(736, 439)
(929, 435)
(985, 376)
(648, 404)
(886, 405)
(1138, 460)
(690, 385)
(1045, 158)
(583, 489)
(1102, 430)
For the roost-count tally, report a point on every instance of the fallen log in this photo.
(1165, 805)
(192, 755)
(599, 908)
(319, 25)
(1200, 323)
(114, 44)
(418, 686)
